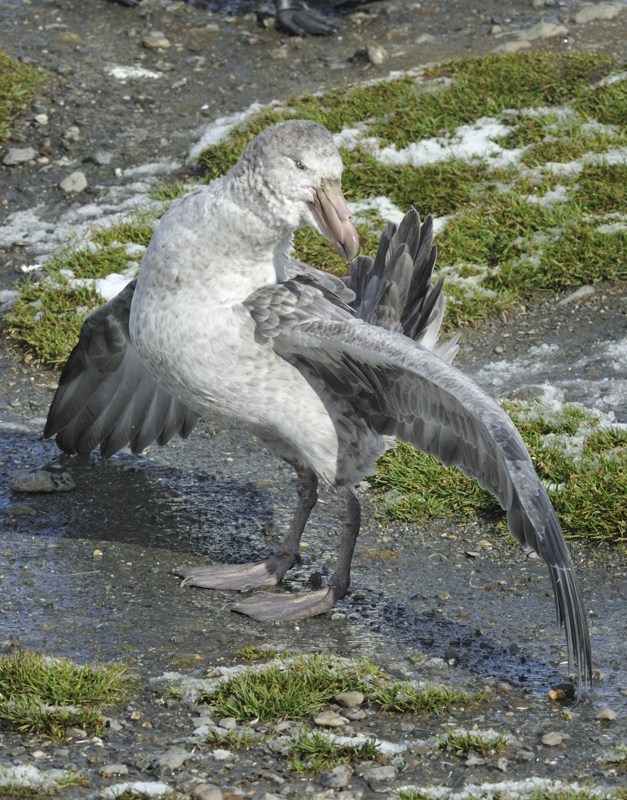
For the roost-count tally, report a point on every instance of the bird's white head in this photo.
(295, 168)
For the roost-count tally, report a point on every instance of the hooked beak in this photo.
(334, 219)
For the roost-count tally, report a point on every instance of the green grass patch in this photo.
(256, 655)
(295, 688)
(313, 752)
(47, 318)
(49, 695)
(463, 742)
(582, 464)
(18, 84)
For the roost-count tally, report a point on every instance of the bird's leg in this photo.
(265, 607)
(270, 571)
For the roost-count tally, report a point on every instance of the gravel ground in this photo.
(80, 569)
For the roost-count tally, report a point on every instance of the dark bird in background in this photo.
(223, 322)
(293, 16)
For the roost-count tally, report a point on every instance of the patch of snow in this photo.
(471, 284)
(612, 227)
(219, 129)
(222, 755)
(557, 195)
(610, 79)
(616, 352)
(384, 207)
(109, 286)
(30, 777)
(144, 788)
(30, 229)
(350, 138)
(153, 168)
(469, 142)
(122, 73)
(382, 745)
(503, 790)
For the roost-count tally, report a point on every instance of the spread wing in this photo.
(403, 389)
(106, 398)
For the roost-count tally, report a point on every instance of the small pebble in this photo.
(338, 778)
(552, 739)
(330, 719)
(377, 55)
(349, 699)
(75, 182)
(607, 714)
(156, 40)
(19, 155)
(379, 774)
(171, 759)
(206, 791)
(109, 770)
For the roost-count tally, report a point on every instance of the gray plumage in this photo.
(222, 321)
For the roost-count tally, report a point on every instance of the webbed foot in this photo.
(267, 607)
(239, 577)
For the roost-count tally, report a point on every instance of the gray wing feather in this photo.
(402, 389)
(106, 398)
(393, 290)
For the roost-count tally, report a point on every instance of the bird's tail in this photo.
(394, 289)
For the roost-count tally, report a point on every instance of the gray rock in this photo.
(380, 774)
(338, 778)
(19, 155)
(156, 40)
(8, 298)
(171, 759)
(228, 723)
(588, 13)
(206, 791)
(72, 134)
(102, 157)
(109, 770)
(330, 719)
(377, 55)
(544, 30)
(606, 714)
(47, 479)
(474, 760)
(552, 739)
(349, 699)
(74, 182)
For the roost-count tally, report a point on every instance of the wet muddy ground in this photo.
(87, 573)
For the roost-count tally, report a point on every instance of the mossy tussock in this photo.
(48, 695)
(18, 84)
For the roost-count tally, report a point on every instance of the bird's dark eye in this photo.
(300, 165)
